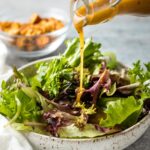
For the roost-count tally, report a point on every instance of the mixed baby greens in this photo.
(114, 97)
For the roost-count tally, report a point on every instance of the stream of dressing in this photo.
(81, 89)
(79, 23)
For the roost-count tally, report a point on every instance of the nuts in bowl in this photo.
(39, 35)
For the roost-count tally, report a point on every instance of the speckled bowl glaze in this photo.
(115, 141)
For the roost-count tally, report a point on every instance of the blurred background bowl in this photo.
(54, 38)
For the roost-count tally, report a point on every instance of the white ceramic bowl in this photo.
(115, 141)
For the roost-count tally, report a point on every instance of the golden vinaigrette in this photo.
(81, 89)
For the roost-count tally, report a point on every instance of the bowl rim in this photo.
(146, 118)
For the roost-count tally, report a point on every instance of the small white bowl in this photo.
(57, 37)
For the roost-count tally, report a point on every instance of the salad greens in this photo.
(114, 98)
(120, 109)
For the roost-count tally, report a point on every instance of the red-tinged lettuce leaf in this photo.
(110, 92)
(120, 111)
(95, 90)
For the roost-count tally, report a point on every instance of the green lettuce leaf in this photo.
(111, 60)
(51, 76)
(119, 111)
(92, 54)
(35, 95)
(21, 127)
(89, 131)
(17, 106)
(141, 74)
(55, 79)
(8, 106)
(30, 110)
(25, 128)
